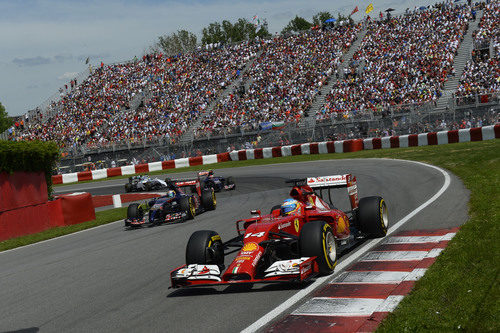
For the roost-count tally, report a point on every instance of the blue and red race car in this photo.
(183, 200)
(298, 240)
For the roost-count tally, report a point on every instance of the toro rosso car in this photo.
(144, 183)
(216, 182)
(297, 241)
(184, 199)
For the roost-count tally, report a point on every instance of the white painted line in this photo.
(60, 237)
(344, 263)
(390, 303)
(412, 239)
(434, 253)
(394, 255)
(416, 274)
(328, 306)
(449, 236)
(371, 277)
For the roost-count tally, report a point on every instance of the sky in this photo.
(44, 43)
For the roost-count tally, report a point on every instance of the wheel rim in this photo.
(191, 207)
(331, 247)
(384, 216)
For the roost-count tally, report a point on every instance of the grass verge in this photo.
(460, 291)
(102, 217)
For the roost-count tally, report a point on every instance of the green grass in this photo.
(103, 217)
(460, 291)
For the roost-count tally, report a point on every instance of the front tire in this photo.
(205, 248)
(372, 216)
(208, 200)
(135, 212)
(230, 181)
(128, 187)
(317, 240)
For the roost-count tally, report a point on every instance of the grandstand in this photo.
(420, 71)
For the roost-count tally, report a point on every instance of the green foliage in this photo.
(321, 17)
(297, 24)
(181, 41)
(227, 32)
(31, 156)
(5, 121)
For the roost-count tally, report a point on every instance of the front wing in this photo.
(294, 270)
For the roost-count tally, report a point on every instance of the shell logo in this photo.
(341, 225)
(250, 247)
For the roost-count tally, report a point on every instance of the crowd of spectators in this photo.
(177, 89)
(481, 75)
(401, 60)
(283, 80)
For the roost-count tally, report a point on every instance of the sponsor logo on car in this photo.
(296, 223)
(284, 225)
(256, 259)
(250, 247)
(341, 224)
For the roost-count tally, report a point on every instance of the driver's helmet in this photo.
(210, 173)
(171, 194)
(290, 206)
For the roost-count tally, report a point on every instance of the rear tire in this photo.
(205, 248)
(128, 187)
(187, 206)
(372, 216)
(134, 211)
(317, 240)
(208, 200)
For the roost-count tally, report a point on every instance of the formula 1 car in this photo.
(218, 183)
(292, 245)
(144, 183)
(184, 199)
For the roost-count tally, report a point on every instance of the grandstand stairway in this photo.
(319, 101)
(463, 55)
(188, 136)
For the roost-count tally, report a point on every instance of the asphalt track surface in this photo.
(109, 279)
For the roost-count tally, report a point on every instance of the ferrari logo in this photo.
(296, 223)
(341, 225)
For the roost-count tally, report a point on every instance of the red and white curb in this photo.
(359, 298)
(344, 146)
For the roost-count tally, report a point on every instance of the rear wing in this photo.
(330, 182)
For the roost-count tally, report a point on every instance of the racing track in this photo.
(109, 279)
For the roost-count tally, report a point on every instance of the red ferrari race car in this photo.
(299, 239)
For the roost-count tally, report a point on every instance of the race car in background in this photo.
(298, 240)
(218, 183)
(144, 183)
(183, 201)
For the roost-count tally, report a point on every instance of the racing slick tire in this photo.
(134, 211)
(205, 248)
(187, 205)
(128, 187)
(372, 216)
(230, 181)
(208, 200)
(317, 240)
(147, 187)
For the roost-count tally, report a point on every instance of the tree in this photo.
(297, 24)
(227, 32)
(5, 120)
(321, 17)
(181, 41)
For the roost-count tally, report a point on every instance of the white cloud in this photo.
(68, 76)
